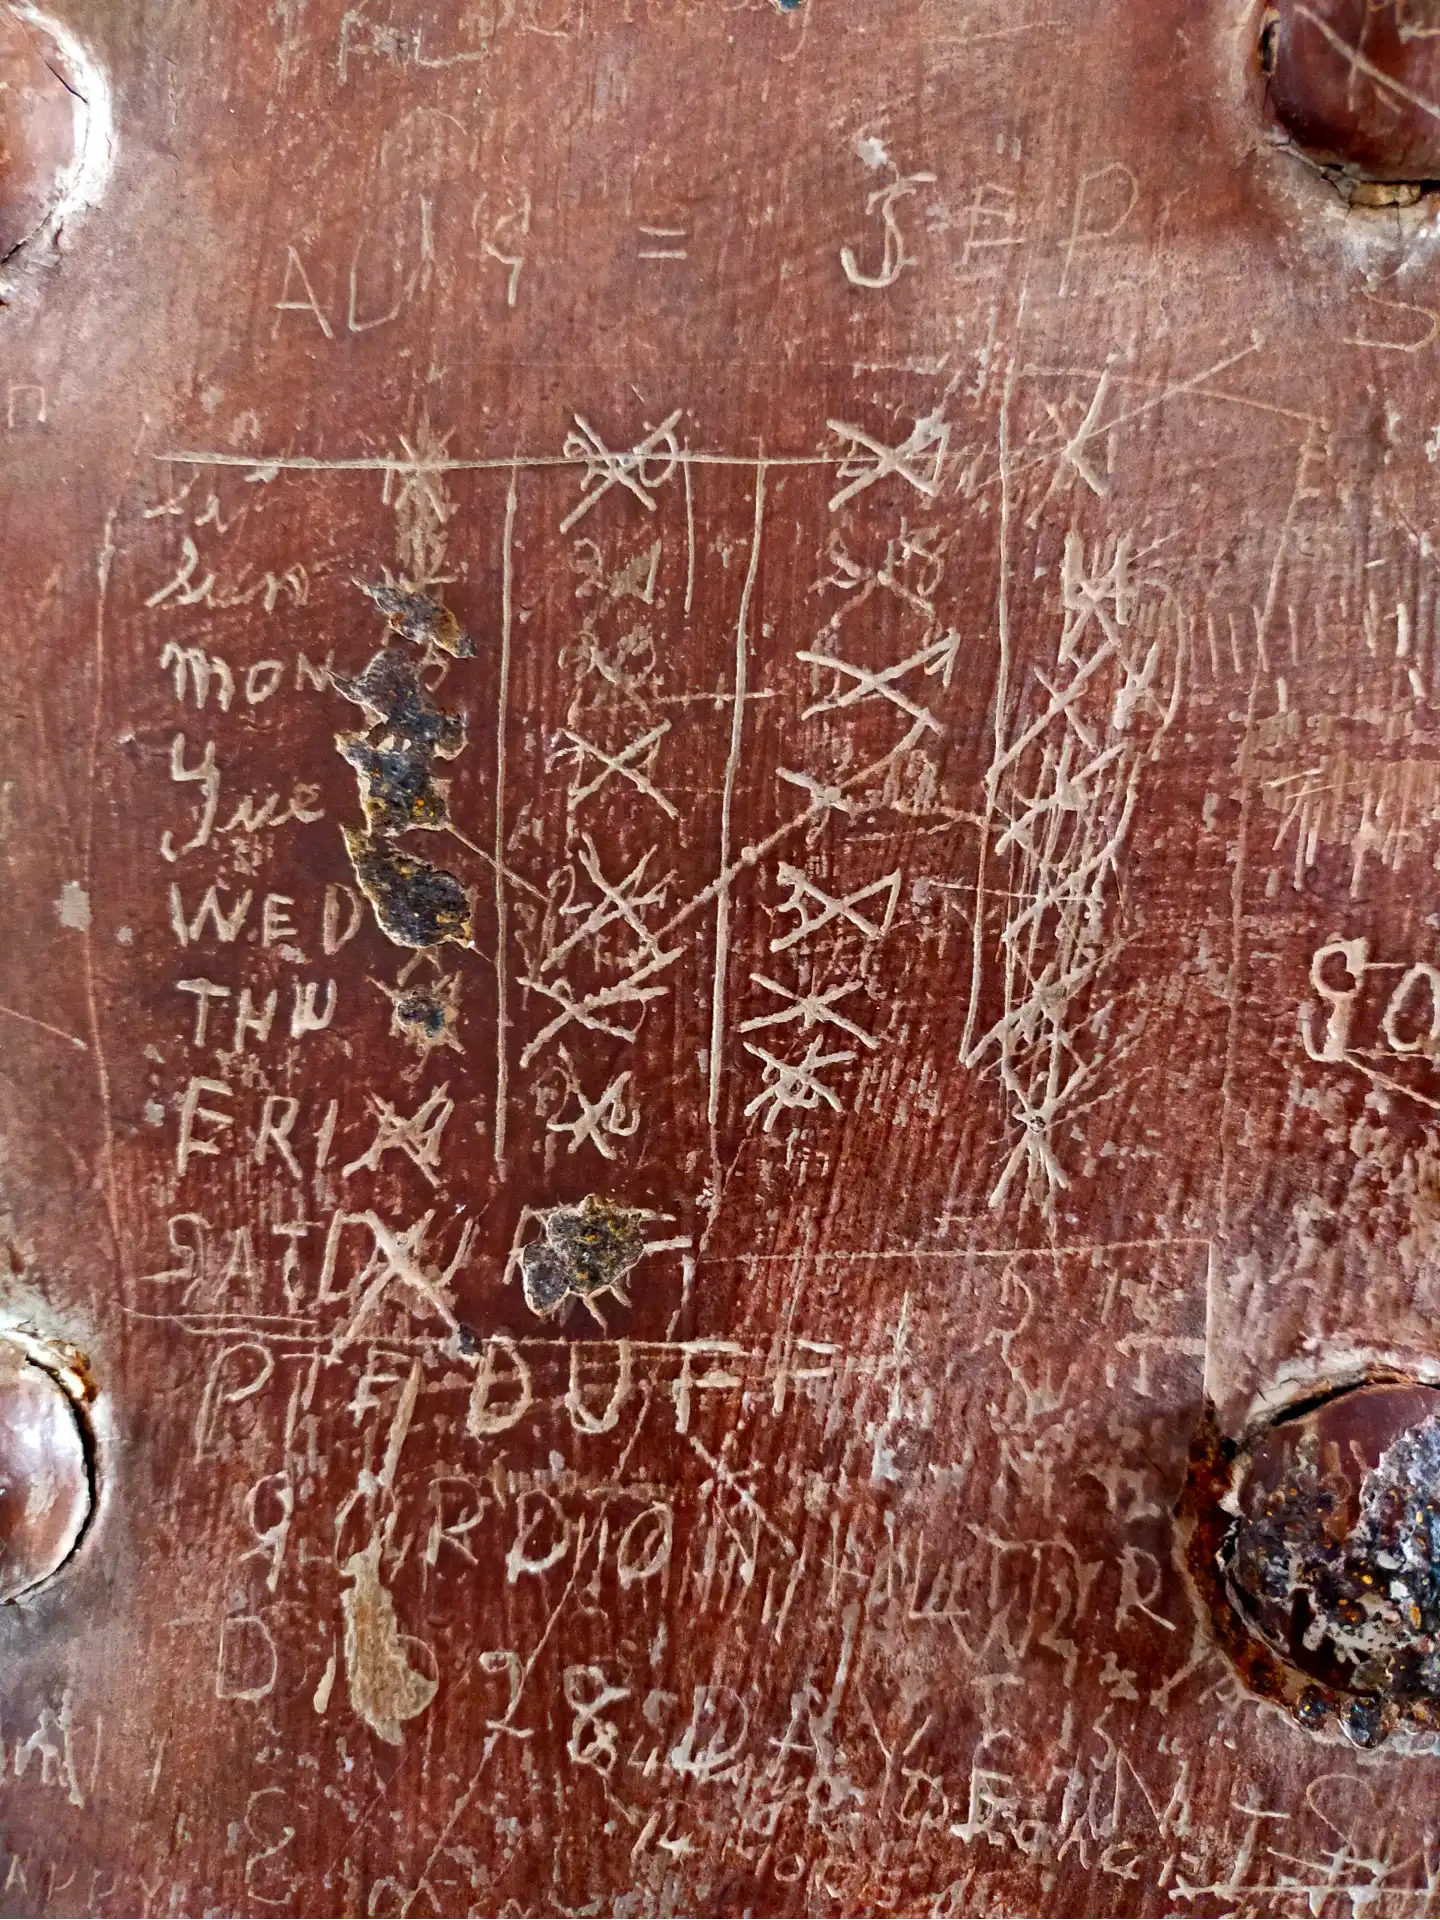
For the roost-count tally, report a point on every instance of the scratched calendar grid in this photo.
(832, 734)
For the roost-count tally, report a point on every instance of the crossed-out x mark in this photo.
(587, 1011)
(417, 1135)
(622, 763)
(795, 1084)
(870, 459)
(619, 900)
(600, 1120)
(604, 469)
(811, 1009)
(844, 907)
(938, 657)
(397, 1256)
(422, 487)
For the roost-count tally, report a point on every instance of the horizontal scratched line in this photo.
(277, 1327)
(961, 1253)
(273, 1326)
(511, 463)
(301, 1327)
(1365, 1890)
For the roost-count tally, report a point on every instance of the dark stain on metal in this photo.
(397, 788)
(422, 620)
(1316, 1544)
(416, 904)
(1269, 38)
(426, 1014)
(423, 1012)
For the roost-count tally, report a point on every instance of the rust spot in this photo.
(397, 790)
(416, 905)
(425, 1015)
(421, 619)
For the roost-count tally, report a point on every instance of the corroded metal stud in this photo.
(46, 1491)
(1321, 1554)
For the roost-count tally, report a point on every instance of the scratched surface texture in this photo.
(653, 1202)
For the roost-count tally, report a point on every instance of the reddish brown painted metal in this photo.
(37, 130)
(660, 1149)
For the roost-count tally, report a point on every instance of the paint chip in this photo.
(73, 906)
(385, 1689)
(416, 904)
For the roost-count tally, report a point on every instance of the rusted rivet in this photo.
(1329, 1563)
(1355, 84)
(46, 1490)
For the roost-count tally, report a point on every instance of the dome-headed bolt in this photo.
(46, 1491)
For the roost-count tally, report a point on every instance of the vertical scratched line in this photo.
(689, 536)
(104, 562)
(1240, 865)
(727, 802)
(1002, 695)
(502, 1016)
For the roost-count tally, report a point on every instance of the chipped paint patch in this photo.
(416, 905)
(73, 906)
(385, 1690)
(422, 620)
(426, 1015)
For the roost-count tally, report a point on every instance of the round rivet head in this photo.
(38, 127)
(1356, 83)
(45, 1484)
